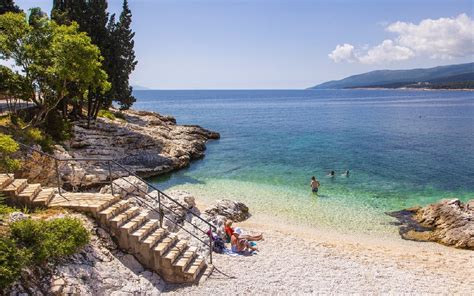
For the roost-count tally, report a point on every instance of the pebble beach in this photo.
(294, 260)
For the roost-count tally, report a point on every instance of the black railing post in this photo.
(110, 178)
(160, 210)
(57, 175)
(210, 244)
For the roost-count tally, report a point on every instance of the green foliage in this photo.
(50, 239)
(106, 114)
(58, 128)
(4, 209)
(8, 147)
(35, 135)
(8, 6)
(52, 57)
(12, 260)
(13, 85)
(115, 41)
(120, 115)
(124, 60)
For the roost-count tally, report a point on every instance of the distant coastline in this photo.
(412, 88)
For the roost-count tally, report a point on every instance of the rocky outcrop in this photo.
(233, 210)
(99, 269)
(449, 222)
(38, 168)
(144, 142)
(126, 187)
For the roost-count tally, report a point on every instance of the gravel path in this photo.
(309, 262)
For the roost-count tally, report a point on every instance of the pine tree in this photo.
(92, 17)
(8, 6)
(125, 58)
(115, 41)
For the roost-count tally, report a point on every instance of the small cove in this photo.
(403, 148)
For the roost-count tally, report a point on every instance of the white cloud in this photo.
(443, 38)
(343, 52)
(386, 51)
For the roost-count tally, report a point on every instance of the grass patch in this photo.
(106, 114)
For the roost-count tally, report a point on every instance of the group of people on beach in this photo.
(239, 240)
(315, 183)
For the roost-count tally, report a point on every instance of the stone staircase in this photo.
(155, 247)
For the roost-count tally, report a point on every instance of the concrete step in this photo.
(128, 227)
(134, 223)
(29, 193)
(185, 258)
(44, 197)
(144, 249)
(123, 217)
(163, 245)
(194, 268)
(205, 273)
(5, 180)
(112, 199)
(176, 250)
(112, 210)
(142, 232)
(148, 244)
(15, 187)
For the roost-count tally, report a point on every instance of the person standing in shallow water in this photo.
(314, 184)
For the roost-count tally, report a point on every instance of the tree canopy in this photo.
(8, 6)
(115, 41)
(78, 60)
(50, 58)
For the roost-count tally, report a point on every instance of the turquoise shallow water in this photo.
(403, 148)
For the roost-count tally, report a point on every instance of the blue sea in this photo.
(403, 148)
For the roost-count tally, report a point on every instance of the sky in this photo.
(288, 44)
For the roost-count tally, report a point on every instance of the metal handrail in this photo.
(162, 215)
(162, 205)
(122, 167)
(160, 193)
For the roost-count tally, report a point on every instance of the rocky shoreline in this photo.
(145, 142)
(449, 222)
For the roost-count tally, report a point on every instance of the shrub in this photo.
(119, 115)
(36, 136)
(8, 146)
(5, 210)
(12, 260)
(50, 239)
(57, 127)
(106, 114)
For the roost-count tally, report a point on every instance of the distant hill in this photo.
(453, 75)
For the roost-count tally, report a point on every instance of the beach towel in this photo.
(238, 254)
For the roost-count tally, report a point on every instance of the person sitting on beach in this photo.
(314, 184)
(229, 231)
(239, 244)
(248, 236)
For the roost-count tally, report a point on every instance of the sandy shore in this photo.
(298, 260)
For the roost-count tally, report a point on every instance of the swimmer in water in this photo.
(346, 173)
(332, 174)
(314, 184)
